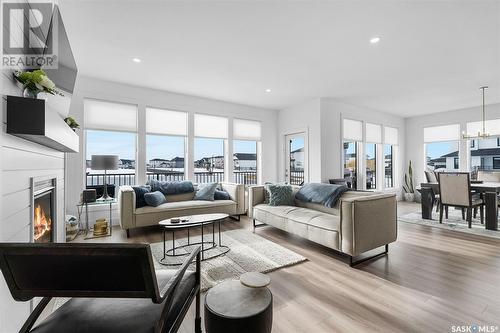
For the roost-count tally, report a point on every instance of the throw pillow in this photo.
(139, 195)
(206, 192)
(280, 195)
(154, 199)
(221, 195)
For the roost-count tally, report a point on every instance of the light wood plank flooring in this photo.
(431, 279)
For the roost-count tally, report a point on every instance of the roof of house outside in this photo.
(246, 156)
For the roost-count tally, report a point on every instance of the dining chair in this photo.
(454, 189)
(431, 177)
(114, 288)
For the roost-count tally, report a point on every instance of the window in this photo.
(371, 166)
(246, 138)
(481, 158)
(209, 158)
(111, 143)
(496, 162)
(165, 144)
(350, 163)
(441, 147)
(391, 139)
(442, 155)
(373, 138)
(388, 166)
(111, 129)
(472, 143)
(353, 134)
(245, 162)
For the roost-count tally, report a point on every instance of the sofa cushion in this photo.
(171, 187)
(206, 192)
(180, 197)
(139, 195)
(280, 195)
(154, 199)
(182, 205)
(221, 195)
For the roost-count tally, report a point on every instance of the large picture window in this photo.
(165, 144)
(388, 166)
(111, 129)
(371, 166)
(484, 153)
(353, 134)
(442, 147)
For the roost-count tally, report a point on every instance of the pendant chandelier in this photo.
(480, 134)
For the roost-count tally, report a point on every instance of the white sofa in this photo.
(177, 205)
(360, 221)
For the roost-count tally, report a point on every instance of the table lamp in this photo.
(104, 162)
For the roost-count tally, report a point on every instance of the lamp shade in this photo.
(104, 162)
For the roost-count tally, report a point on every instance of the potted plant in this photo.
(72, 123)
(409, 190)
(36, 82)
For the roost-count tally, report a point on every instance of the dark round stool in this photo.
(232, 307)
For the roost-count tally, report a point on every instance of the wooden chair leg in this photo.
(481, 213)
(463, 213)
(446, 212)
(441, 214)
(469, 216)
(475, 212)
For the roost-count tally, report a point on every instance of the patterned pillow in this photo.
(280, 195)
(206, 192)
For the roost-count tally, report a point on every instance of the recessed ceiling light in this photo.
(375, 40)
(268, 90)
(137, 60)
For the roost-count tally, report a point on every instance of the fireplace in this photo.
(43, 210)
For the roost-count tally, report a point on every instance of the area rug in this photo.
(248, 253)
(453, 222)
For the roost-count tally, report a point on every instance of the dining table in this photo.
(490, 191)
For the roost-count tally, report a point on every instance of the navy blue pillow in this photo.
(139, 195)
(154, 199)
(221, 195)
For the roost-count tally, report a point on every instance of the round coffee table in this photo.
(233, 307)
(188, 222)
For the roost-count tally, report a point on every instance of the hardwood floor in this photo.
(431, 279)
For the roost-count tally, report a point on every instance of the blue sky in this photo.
(438, 149)
(158, 146)
(297, 143)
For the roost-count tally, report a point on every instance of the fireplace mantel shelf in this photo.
(30, 119)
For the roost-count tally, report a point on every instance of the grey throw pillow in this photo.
(154, 199)
(140, 191)
(221, 195)
(206, 192)
(280, 195)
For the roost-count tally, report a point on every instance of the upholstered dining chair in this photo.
(113, 287)
(431, 177)
(454, 189)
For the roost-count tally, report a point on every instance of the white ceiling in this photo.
(432, 57)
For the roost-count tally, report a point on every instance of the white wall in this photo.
(322, 119)
(415, 133)
(87, 87)
(21, 160)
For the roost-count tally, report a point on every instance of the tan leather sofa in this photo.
(360, 222)
(177, 205)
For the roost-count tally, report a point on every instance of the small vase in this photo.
(29, 93)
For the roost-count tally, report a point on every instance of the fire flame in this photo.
(42, 224)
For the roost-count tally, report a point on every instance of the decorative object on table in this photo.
(85, 227)
(104, 162)
(101, 227)
(481, 134)
(71, 227)
(89, 195)
(233, 307)
(255, 280)
(408, 188)
(249, 253)
(35, 82)
(138, 302)
(72, 123)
